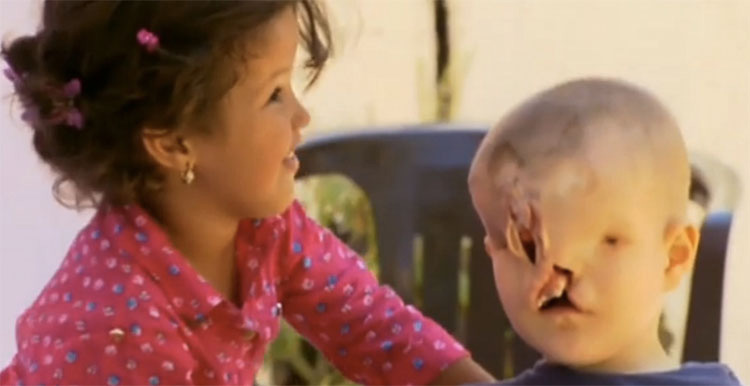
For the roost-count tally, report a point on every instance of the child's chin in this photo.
(570, 355)
(270, 208)
(569, 360)
(281, 205)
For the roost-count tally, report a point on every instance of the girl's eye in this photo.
(276, 95)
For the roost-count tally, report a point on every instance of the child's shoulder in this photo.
(692, 373)
(709, 372)
(98, 285)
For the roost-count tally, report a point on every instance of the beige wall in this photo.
(384, 54)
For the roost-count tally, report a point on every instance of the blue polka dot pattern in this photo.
(276, 310)
(71, 356)
(113, 380)
(141, 237)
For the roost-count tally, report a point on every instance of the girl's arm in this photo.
(462, 372)
(365, 329)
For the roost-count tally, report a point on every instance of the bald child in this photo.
(583, 192)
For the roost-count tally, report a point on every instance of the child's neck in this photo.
(642, 356)
(205, 239)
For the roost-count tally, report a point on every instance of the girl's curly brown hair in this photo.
(125, 87)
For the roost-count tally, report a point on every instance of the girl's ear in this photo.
(169, 150)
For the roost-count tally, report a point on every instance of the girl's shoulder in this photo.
(98, 285)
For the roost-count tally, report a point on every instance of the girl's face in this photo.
(246, 167)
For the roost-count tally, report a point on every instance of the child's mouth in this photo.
(554, 296)
(558, 302)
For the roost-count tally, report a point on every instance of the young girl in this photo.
(177, 120)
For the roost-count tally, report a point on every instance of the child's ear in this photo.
(489, 247)
(168, 149)
(682, 246)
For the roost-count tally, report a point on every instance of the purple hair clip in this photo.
(72, 88)
(74, 118)
(30, 115)
(63, 111)
(70, 114)
(12, 75)
(148, 40)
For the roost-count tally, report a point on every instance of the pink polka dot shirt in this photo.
(126, 308)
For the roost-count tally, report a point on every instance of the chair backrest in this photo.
(703, 331)
(415, 178)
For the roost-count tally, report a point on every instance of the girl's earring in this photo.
(188, 175)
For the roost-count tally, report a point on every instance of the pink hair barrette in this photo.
(148, 40)
(72, 88)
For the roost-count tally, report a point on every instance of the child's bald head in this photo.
(573, 134)
(582, 191)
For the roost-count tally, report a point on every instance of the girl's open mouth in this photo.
(291, 161)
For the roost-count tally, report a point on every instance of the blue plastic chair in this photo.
(703, 331)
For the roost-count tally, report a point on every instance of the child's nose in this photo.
(567, 260)
(301, 117)
(567, 247)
